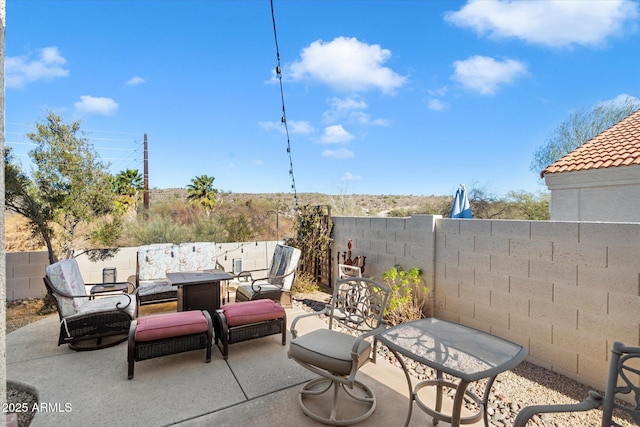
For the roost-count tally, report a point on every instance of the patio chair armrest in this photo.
(121, 307)
(372, 333)
(270, 279)
(131, 286)
(592, 402)
(294, 331)
(67, 295)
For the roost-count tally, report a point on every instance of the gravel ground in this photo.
(525, 385)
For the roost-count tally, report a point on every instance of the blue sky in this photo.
(381, 97)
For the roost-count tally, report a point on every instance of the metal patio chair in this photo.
(623, 380)
(339, 351)
(278, 282)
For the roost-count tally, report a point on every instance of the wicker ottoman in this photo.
(248, 320)
(164, 334)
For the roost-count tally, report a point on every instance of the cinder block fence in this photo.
(566, 290)
(25, 270)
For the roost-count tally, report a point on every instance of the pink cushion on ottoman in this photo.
(159, 326)
(246, 313)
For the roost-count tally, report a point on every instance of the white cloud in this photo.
(21, 70)
(340, 154)
(350, 177)
(484, 75)
(554, 23)
(365, 119)
(347, 64)
(341, 107)
(350, 109)
(96, 105)
(294, 126)
(135, 80)
(439, 92)
(335, 134)
(437, 105)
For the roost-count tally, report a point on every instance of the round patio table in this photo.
(463, 352)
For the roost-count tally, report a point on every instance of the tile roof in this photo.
(617, 146)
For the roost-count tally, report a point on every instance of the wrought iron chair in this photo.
(345, 271)
(83, 317)
(277, 285)
(623, 380)
(338, 352)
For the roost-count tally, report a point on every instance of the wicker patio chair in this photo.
(83, 317)
(337, 353)
(623, 379)
(277, 284)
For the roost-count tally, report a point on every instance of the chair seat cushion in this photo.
(103, 304)
(329, 350)
(160, 326)
(150, 287)
(266, 291)
(246, 313)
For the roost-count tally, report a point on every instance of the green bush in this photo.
(304, 284)
(408, 298)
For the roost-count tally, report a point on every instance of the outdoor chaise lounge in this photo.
(83, 317)
(357, 306)
(278, 282)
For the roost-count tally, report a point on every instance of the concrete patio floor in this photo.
(256, 386)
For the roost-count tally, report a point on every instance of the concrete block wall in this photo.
(24, 275)
(565, 290)
(25, 270)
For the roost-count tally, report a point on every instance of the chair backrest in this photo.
(64, 276)
(198, 256)
(345, 270)
(156, 260)
(358, 304)
(284, 263)
(623, 383)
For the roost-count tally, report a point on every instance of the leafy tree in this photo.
(530, 206)
(580, 127)
(201, 193)
(128, 186)
(68, 199)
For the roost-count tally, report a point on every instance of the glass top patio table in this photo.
(458, 350)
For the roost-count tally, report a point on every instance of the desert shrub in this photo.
(407, 299)
(207, 229)
(304, 283)
(157, 230)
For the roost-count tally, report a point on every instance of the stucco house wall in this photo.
(611, 195)
(599, 180)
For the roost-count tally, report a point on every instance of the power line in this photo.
(284, 114)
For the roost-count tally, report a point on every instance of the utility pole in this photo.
(146, 177)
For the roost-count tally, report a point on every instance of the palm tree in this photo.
(128, 185)
(201, 193)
